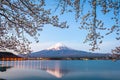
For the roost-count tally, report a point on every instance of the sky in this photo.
(72, 37)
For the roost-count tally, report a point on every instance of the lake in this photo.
(60, 70)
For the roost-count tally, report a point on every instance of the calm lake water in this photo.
(60, 70)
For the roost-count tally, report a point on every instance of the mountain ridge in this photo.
(61, 51)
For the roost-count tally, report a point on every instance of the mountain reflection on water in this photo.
(60, 70)
(54, 68)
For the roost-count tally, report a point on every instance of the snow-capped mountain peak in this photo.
(61, 51)
(58, 46)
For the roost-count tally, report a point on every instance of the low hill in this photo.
(8, 55)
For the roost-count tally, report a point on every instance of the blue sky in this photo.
(72, 37)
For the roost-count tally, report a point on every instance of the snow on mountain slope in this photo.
(60, 50)
(58, 46)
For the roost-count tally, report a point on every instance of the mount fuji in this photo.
(61, 51)
(58, 46)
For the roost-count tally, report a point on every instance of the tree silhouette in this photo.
(89, 18)
(27, 17)
(21, 18)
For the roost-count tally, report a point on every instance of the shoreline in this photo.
(21, 59)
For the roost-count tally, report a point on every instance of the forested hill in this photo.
(8, 55)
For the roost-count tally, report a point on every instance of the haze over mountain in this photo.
(59, 50)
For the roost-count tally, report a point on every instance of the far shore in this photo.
(76, 58)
